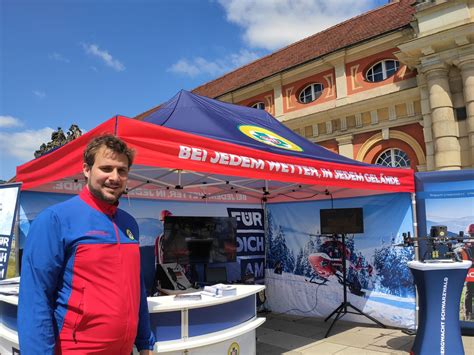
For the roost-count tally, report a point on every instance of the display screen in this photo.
(341, 220)
(199, 240)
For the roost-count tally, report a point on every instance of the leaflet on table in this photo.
(188, 296)
(220, 290)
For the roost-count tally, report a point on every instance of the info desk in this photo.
(210, 325)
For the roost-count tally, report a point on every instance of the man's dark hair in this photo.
(111, 142)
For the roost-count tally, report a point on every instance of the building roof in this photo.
(390, 17)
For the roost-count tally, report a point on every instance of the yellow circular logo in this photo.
(265, 136)
(130, 234)
(234, 349)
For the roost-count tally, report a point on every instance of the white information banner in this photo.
(9, 195)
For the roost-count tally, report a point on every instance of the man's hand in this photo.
(146, 352)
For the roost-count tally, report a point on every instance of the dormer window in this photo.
(259, 105)
(382, 70)
(311, 93)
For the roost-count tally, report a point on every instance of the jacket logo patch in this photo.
(95, 232)
(129, 234)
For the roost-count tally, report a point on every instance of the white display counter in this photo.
(8, 322)
(196, 327)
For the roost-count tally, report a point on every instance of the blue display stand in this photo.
(439, 284)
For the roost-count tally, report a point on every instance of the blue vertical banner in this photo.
(250, 242)
(446, 198)
(9, 194)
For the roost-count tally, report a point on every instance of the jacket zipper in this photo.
(80, 309)
(117, 235)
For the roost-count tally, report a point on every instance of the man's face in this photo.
(107, 177)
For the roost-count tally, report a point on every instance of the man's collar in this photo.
(98, 204)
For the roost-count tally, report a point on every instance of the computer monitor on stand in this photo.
(342, 221)
(199, 253)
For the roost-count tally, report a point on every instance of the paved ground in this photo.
(295, 335)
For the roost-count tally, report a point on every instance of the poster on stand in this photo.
(9, 195)
(446, 202)
(250, 243)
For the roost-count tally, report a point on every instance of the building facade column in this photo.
(427, 124)
(341, 81)
(466, 65)
(278, 101)
(346, 148)
(447, 151)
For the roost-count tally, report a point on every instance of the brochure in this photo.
(220, 290)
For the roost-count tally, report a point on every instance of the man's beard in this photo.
(100, 195)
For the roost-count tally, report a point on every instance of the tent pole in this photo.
(265, 228)
(415, 223)
(116, 126)
(417, 251)
(179, 186)
(16, 234)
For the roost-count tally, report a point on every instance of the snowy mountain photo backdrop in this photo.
(378, 279)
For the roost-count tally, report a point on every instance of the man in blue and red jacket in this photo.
(81, 290)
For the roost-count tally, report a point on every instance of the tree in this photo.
(393, 275)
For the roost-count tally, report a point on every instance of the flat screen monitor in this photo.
(199, 240)
(216, 275)
(341, 221)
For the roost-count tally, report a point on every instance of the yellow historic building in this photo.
(393, 86)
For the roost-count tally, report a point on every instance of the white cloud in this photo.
(243, 57)
(22, 145)
(273, 24)
(59, 57)
(106, 57)
(39, 94)
(9, 121)
(184, 66)
(199, 65)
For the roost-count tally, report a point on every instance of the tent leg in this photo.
(417, 257)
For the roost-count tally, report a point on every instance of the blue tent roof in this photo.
(442, 176)
(219, 120)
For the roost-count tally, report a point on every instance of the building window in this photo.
(259, 105)
(311, 93)
(460, 113)
(382, 70)
(394, 158)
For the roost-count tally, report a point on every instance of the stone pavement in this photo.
(296, 335)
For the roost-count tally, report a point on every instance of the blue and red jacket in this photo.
(81, 290)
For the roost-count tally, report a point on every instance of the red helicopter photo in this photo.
(327, 262)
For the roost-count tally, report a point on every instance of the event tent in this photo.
(210, 148)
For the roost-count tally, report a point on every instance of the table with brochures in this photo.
(8, 321)
(193, 325)
(206, 325)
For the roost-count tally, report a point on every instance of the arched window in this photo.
(259, 105)
(382, 70)
(393, 157)
(311, 93)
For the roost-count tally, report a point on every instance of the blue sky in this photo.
(84, 61)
